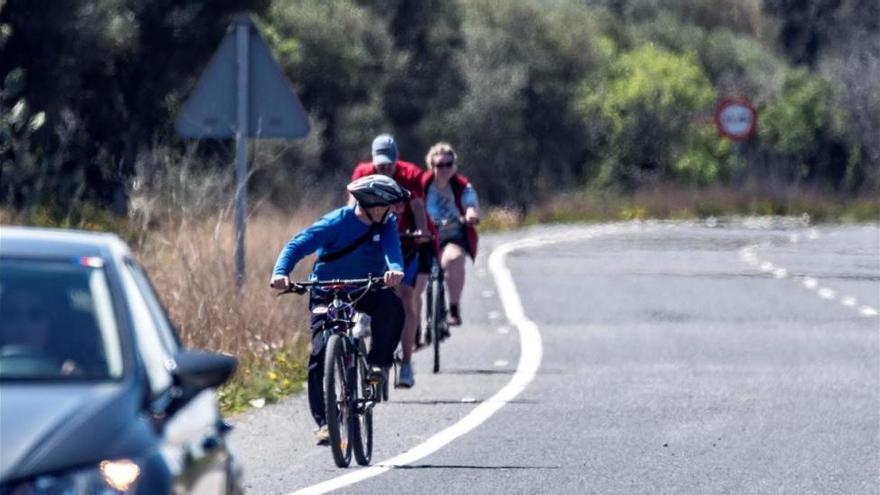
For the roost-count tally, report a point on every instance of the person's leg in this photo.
(316, 368)
(421, 284)
(452, 261)
(405, 292)
(316, 387)
(386, 321)
(408, 337)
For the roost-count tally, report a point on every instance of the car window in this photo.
(160, 316)
(154, 352)
(57, 321)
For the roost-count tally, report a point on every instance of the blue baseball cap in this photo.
(384, 149)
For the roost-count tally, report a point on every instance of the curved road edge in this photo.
(531, 353)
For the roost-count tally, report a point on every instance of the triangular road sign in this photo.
(274, 111)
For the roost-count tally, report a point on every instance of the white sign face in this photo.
(736, 120)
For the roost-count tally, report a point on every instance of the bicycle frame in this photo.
(340, 321)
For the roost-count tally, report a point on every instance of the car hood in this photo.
(52, 427)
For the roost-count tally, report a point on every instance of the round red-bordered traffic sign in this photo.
(736, 118)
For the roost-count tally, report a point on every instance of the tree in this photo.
(112, 74)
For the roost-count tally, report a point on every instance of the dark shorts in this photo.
(453, 236)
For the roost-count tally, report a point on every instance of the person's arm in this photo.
(416, 186)
(471, 204)
(419, 211)
(298, 247)
(393, 254)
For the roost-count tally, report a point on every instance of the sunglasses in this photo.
(444, 164)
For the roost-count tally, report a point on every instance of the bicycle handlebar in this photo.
(302, 287)
(412, 235)
(461, 220)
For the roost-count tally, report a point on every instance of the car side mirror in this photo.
(198, 370)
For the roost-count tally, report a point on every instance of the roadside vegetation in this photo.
(560, 110)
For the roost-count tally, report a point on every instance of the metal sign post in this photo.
(241, 150)
(242, 94)
(736, 120)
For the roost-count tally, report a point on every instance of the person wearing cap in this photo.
(418, 249)
(452, 205)
(352, 242)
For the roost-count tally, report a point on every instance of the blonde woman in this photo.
(452, 204)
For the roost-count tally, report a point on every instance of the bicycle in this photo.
(436, 327)
(349, 396)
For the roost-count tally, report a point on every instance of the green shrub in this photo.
(649, 102)
(792, 123)
(707, 159)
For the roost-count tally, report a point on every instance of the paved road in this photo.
(739, 357)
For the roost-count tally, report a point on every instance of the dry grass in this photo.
(192, 266)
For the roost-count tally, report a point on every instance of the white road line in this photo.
(748, 254)
(501, 363)
(531, 353)
(503, 330)
(826, 293)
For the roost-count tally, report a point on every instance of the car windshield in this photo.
(57, 321)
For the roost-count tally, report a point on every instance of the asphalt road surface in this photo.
(710, 357)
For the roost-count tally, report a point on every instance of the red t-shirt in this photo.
(408, 176)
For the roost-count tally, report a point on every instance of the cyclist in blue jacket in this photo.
(352, 242)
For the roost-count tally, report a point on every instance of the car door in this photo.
(192, 439)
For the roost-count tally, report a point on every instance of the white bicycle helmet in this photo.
(377, 190)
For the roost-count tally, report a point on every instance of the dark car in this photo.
(97, 395)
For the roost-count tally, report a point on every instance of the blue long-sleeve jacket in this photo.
(334, 231)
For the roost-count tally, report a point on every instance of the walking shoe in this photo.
(453, 318)
(377, 375)
(322, 435)
(406, 378)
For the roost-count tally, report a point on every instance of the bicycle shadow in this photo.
(465, 466)
(437, 402)
(477, 372)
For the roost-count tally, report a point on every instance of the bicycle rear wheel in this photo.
(438, 310)
(337, 400)
(362, 434)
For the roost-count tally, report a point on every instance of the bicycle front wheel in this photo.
(362, 435)
(438, 311)
(337, 400)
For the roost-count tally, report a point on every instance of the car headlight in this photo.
(108, 478)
